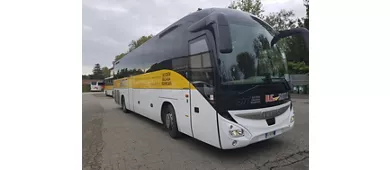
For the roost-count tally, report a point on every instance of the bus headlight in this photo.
(292, 119)
(237, 132)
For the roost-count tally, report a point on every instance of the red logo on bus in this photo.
(271, 98)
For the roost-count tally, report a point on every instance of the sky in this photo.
(110, 25)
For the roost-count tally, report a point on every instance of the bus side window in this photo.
(180, 65)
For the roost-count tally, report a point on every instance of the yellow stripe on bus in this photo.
(162, 79)
(122, 83)
(109, 87)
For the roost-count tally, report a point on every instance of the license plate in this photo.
(270, 134)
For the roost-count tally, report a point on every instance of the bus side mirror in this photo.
(220, 27)
(294, 31)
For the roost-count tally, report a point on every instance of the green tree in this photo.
(293, 47)
(282, 20)
(97, 72)
(136, 43)
(300, 23)
(133, 45)
(298, 53)
(106, 72)
(118, 57)
(298, 68)
(254, 7)
(306, 20)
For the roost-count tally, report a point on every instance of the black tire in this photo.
(123, 106)
(170, 122)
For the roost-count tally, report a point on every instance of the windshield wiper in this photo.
(268, 80)
(248, 89)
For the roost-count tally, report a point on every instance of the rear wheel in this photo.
(123, 104)
(170, 122)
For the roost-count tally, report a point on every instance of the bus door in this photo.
(203, 115)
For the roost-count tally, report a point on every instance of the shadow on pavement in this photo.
(200, 146)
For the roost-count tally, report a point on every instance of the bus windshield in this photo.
(252, 60)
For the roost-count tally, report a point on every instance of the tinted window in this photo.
(206, 62)
(155, 54)
(196, 61)
(93, 83)
(180, 63)
(198, 47)
(167, 64)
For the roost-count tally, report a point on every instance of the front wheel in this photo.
(123, 104)
(170, 122)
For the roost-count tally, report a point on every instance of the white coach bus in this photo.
(216, 75)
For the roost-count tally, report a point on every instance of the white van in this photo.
(97, 86)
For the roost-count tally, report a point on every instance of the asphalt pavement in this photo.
(114, 140)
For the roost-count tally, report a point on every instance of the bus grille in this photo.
(265, 115)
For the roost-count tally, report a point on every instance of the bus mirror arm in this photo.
(220, 27)
(294, 31)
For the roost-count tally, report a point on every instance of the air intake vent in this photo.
(270, 121)
(266, 114)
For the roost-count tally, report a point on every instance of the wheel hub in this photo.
(168, 120)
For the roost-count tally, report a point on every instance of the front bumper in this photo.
(256, 134)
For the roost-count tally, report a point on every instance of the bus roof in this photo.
(185, 22)
(159, 47)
